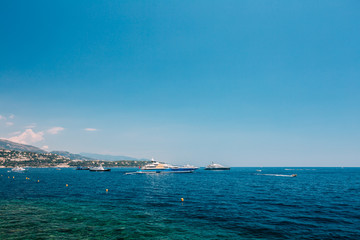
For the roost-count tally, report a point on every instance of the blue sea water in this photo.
(320, 203)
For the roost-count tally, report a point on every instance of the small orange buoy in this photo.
(107, 190)
(67, 185)
(182, 199)
(38, 180)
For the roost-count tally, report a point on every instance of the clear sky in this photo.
(241, 83)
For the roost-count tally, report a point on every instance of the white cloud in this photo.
(9, 124)
(28, 137)
(90, 129)
(55, 130)
(32, 125)
(45, 147)
(15, 133)
(11, 116)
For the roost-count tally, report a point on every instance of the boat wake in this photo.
(299, 169)
(278, 175)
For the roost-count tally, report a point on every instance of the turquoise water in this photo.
(320, 203)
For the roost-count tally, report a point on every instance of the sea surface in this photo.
(46, 203)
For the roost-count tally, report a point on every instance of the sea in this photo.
(243, 203)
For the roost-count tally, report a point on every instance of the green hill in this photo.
(6, 144)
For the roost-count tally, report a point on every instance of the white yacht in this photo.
(216, 166)
(160, 167)
(99, 169)
(18, 169)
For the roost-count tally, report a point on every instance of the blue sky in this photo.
(242, 83)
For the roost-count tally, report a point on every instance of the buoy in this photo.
(13, 177)
(107, 190)
(67, 185)
(182, 199)
(38, 180)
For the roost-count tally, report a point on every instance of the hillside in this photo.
(6, 144)
(12, 158)
(110, 157)
(16, 154)
(72, 156)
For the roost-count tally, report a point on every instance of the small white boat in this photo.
(216, 166)
(99, 169)
(18, 169)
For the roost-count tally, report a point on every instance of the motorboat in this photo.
(160, 167)
(18, 169)
(99, 169)
(216, 166)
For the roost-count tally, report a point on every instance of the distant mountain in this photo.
(72, 156)
(111, 157)
(11, 158)
(6, 144)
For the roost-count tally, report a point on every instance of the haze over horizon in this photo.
(242, 83)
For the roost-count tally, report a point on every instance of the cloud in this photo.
(9, 124)
(90, 129)
(15, 133)
(28, 137)
(45, 147)
(11, 116)
(55, 130)
(32, 125)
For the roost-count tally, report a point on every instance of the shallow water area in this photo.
(242, 203)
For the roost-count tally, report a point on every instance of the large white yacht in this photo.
(160, 167)
(216, 166)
